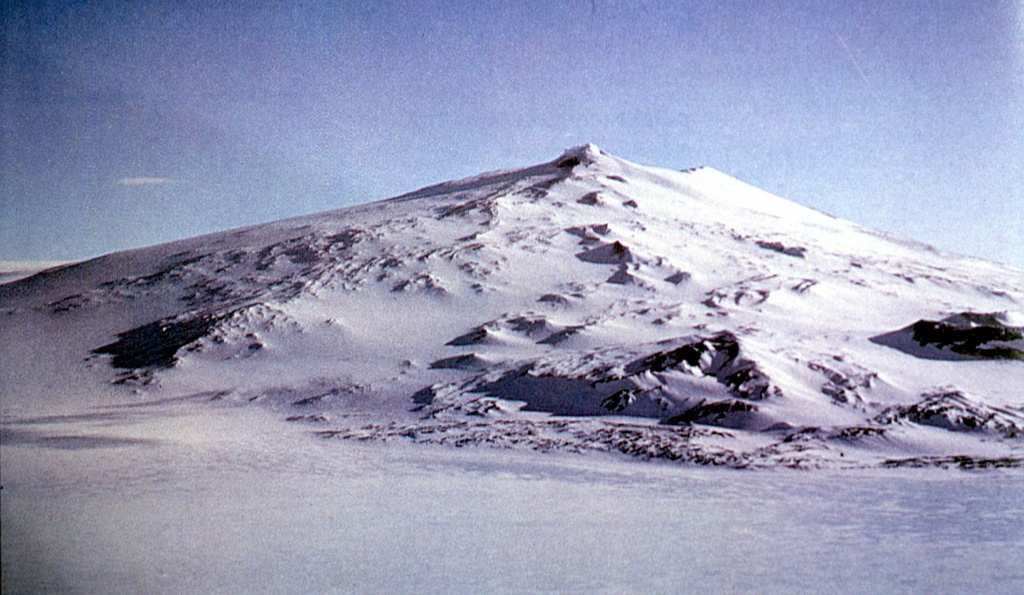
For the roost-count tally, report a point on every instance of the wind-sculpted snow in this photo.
(587, 304)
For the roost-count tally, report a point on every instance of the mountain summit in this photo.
(584, 304)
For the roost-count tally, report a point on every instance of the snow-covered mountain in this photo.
(586, 304)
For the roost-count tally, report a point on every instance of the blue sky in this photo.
(130, 123)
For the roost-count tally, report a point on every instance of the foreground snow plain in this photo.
(274, 408)
(189, 497)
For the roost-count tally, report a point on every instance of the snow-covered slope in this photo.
(586, 304)
(13, 270)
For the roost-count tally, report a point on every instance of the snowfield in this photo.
(583, 305)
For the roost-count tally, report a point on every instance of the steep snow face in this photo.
(583, 304)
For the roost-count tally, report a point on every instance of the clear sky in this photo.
(130, 123)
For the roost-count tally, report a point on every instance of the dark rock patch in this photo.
(345, 239)
(557, 394)
(531, 326)
(309, 418)
(618, 401)
(796, 251)
(730, 413)
(717, 356)
(955, 412)
(843, 386)
(613, 253)
(302, 254)
(469, 361)
(956, 461)
(473, 337)
(963, 336)
(424, 396)
(589, 234)
(622, 277)
(156, 344)
(553, 299)
(421, 283)
(561, 336)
